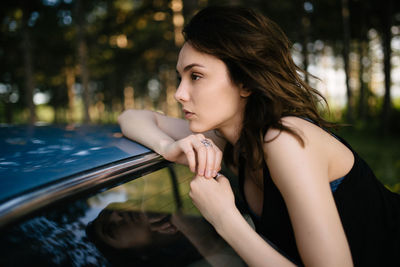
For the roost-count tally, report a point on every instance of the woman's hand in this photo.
(213, 197)
(200, 153)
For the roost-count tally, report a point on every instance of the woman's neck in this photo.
(232, 133)
(232, 128)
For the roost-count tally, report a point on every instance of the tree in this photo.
(346, 51)
(82, 56)
(386, 22)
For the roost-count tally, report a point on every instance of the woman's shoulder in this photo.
(303, 129)
(277, 140)
(309, 142)
(305, 140)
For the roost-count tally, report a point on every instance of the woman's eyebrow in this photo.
(188, 67)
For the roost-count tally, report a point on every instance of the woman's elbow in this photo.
(125, 116)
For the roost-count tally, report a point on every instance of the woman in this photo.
(314, 200)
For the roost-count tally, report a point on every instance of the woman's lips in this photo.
(188, 114)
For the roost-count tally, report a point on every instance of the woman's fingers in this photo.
(203, 156)
(207, 158)
(210, 162)
(217, 162)
(191, 157)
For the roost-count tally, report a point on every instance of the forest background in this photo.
(79, 62)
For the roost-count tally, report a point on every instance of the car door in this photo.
(144, 218)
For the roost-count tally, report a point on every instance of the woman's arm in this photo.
(302, 176)
(172, 138)
(215, 200)
(152, 129)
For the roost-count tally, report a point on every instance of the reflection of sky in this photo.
(33, 156)
(101, 201)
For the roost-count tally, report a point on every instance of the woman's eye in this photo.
(195, 77)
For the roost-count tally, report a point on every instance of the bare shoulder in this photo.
(310, 133)
(307, 146)
(300, 126)
(277, 141)
(320, 147)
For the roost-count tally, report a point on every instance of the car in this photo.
(87, 196)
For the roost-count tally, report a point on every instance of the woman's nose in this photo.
(181, 94)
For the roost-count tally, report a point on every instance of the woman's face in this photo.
(210, 100)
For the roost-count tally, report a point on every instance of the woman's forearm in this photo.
(141, 126)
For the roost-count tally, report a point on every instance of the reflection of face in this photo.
(123, 229)
(208, 96)
(133, 229)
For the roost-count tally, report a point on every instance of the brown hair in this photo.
(257, 55)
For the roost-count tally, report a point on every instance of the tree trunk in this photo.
(387, 52)
(178, 21)
(28, 72)
(346, 50)
(70, 83)
(364, 92)
(82, 58)
(305, 23)
(172, 107)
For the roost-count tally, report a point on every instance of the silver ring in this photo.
(216, 176)
(206, 143)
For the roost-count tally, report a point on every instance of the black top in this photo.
(369, 212)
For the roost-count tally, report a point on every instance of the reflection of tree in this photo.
(50, 239)
(68, 213)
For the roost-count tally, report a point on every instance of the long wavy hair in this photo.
(258, 56)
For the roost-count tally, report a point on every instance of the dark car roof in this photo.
(32, 156)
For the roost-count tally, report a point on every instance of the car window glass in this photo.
(149, 221)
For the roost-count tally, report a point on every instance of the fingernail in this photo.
(214, 173)
(209, 174)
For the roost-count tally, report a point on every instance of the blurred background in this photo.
(78, 62)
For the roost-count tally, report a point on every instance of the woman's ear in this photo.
(244, 92)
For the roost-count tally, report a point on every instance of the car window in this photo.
(148, 221)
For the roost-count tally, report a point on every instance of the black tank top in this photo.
(369, 212)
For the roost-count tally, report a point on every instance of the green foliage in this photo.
(382, 153)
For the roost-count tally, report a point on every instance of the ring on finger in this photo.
(206, 143)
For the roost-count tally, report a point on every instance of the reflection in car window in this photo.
(149, 221)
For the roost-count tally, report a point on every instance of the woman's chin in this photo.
(196, 128)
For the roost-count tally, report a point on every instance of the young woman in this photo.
(310, 195)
